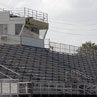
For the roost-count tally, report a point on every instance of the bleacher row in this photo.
(41, 65)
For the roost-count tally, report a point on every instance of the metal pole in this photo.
(32, 13)
(36, 15)
(10, 88)
(18, 89)
(32, 89)
(28, 13)
(1, 88)
(69, 48)
(24, 12)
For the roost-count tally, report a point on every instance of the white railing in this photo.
(34, 14)
(37, 15)
(14, 87)
(2, 9)
(61, 48)
(9, 69)
(27, 12)
(57, 88)
(8, 87)
(69, 49)
(5, 75)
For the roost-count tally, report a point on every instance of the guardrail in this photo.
(49, 87)
(37, 15)
(61, 48)
(27, 12)
(9, 87)
(69, 49)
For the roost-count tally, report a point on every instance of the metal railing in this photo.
(14, 87)
(27, 12)
(61, 48)
(10, 70)
(37, 15)
(8, 87)
(5, 75)
(49, 87)
(69, 49)
(65, 88)
(2, 9)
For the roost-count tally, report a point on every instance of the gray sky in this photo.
(71, 21)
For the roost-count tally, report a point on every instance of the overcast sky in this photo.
(71, 21)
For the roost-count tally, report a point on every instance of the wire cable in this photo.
(74, 33)
(69, 29)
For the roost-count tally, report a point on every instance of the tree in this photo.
(87, 48)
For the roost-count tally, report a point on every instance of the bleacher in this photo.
(49, 70)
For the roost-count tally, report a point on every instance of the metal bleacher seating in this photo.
(41, 65)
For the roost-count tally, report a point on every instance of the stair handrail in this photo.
(5, 75)
(81, 73)
(10, 69)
